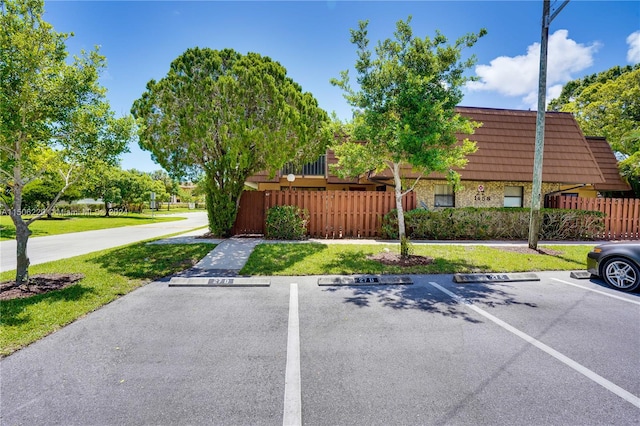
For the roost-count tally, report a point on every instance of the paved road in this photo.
(558, 351)
(55, 247)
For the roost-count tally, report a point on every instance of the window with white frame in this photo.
(513, 196)
(444, 196)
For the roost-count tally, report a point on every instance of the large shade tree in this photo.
(50, 107)
(404, 109)
(608, 104)
(228, 116)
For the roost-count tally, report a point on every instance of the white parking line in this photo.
(292, 391)
(597, 291)
(628, 396)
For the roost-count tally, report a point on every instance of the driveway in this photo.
(56, 247)
(555, 351)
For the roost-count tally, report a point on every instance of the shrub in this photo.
(286, 223)
(472, 223)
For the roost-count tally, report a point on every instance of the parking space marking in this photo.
(613, 296)
(292, 391)
(622, 393)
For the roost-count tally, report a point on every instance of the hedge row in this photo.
(472, 223)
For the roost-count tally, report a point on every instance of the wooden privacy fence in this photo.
(622, 215)
(332, 214)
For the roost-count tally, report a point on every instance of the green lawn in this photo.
(67, 224)
(108, 275)
(318, 259)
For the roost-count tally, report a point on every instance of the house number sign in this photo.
(480, 195)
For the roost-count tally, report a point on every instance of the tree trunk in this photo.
(222, 200)
(106, 210)
(22, 260)
(404, 246)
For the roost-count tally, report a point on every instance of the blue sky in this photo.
(311, 40)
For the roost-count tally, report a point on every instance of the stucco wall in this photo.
(492, 194)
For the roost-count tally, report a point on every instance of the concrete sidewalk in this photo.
(226, 259)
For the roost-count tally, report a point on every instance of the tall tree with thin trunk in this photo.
(228, 116)
(404, 109)
(48, 106)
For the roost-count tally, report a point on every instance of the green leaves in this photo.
(230, 116)
(608, 104)
(405, 104)
(404, 107)
(48, 104)
(286, 223)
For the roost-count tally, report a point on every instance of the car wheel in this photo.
(621, 274)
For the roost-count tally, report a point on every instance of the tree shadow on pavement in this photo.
(427, 298)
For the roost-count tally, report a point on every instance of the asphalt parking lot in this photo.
(554, 351)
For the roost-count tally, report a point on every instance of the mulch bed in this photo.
(38, 284)
(394, 259)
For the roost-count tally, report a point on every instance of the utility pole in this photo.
(536, 190)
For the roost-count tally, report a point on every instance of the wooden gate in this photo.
(332, 214)
(251, 214)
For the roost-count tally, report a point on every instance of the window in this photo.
(444, 196)
(513, 196)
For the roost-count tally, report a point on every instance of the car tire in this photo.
(621, 274)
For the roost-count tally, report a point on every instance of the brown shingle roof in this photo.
(608, 165)
(506, 143)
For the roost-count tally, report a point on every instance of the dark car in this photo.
(618, 264)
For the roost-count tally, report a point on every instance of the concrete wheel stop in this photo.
(495, 277)
(580, 275)
(365, 280)
(219, 282)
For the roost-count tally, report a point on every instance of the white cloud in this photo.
(553, 91)
(518, 75)
(633, 54)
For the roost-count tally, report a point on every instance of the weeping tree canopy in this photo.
(230, 116)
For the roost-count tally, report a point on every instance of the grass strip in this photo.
(67, 224)
(338, 259)
(108, 274)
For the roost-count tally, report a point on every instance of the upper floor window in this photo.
(513, 196)
(444, 196)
